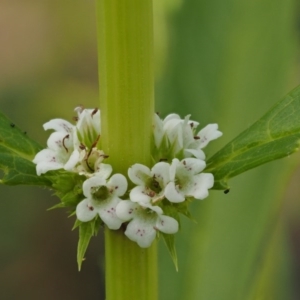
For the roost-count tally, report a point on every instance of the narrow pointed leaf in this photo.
(86, 231)
(170, 243)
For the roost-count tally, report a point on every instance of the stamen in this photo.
(63, 142)
(94, 112)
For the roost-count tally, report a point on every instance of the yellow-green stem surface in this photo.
(125, 53)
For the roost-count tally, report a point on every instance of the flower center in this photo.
(101, 193)
(153, 185)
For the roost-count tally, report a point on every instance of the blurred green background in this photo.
(224, 61)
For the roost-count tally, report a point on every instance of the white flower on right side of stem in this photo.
(175, 137)
(187, 181)
(150, 183)
(145, 221)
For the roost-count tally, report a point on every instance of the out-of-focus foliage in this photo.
(229, 61)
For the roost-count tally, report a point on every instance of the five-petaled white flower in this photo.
(59, 153)
(146, 220)
(102, 197)
(187, 181)
(150, 183)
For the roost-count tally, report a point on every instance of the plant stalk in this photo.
(125, 53)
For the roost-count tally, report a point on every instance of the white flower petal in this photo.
(85, 211)
(118, 184)
(93, 182)
(173, 194)
(126, 210)
(188, 132)
(202, 182)
(158, 131)
(44, 167)
(73, 160)
(107, 212)
(171, 117)
(173, 168)
(46, 160)
(209, 133)
(44, 155)
(103, 170)
(174, 129)
(138, 174)
(60, 141)
(155, 208)
(59, 125)
(198, 153)
(140, 194)
(141, 231)
(192, 165)
(167, 224)
(161, 173)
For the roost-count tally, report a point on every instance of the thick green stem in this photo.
(125, 50)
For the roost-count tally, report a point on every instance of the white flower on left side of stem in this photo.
(187, 181)
(102, 197)
(150, 183)
(88, 126)
(60, 152)
(145, 221)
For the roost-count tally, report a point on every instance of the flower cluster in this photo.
(152, 204)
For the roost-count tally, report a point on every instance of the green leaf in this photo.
(86, 231)
(17, 151)
(170, 243)
(275, 135)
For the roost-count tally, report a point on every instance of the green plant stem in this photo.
(125, 51)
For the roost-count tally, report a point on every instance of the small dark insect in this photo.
(12, 125)
(227, 191)
(25, 132)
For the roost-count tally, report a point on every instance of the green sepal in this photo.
(68, 187)
(275, 135)
(183, 208)
(17, 151)
(86, 231)
(58, 205)
(170, 243)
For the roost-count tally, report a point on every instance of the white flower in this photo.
(59, 153)
(187, 181)
(88, 126)
(72, 147)
(209, 133)
(175, 137)
(102, 197)
(146, 220)
(150, 184)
